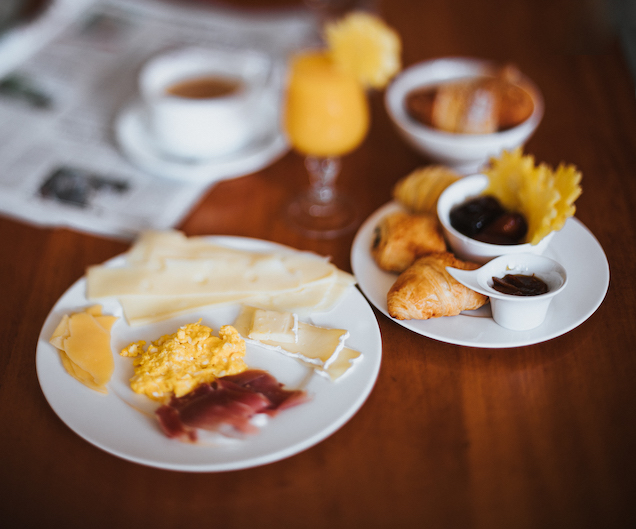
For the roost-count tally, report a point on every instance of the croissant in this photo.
(419, 190)
(473, 106)
(426, 290)
(401, 238)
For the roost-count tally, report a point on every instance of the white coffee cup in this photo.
(205, 127)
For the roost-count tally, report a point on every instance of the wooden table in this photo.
(537, 436)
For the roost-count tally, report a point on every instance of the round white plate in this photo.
(574, 247)
(115, 423)
(137, 145)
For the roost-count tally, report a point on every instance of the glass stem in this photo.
(322, 176)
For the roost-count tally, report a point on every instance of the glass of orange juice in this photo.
(326, 116)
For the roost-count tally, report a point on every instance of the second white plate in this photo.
(574, 247)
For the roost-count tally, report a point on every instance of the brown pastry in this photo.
(419, 190)
(426, 290)
(465, 107)
(473, 106)
(400, 238)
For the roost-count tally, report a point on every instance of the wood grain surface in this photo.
(529, 437)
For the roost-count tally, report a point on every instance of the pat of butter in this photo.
(274, 326)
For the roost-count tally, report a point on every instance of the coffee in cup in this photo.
(205, 103)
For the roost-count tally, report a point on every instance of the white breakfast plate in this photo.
(574, 247)
(137, 145)
(115, 423)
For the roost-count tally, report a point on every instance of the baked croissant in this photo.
(426, 290)
(480, 105)
(401, 238)
(419, 191)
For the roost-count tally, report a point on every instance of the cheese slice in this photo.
(88, 347)
(142, 310)
(83, 342)
(318, 346)
(77, 372)
(167, 274)
(157, 246)
(260, 274)
(319, 296)
(342, 364)
(271, 325)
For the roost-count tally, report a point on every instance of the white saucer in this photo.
(137, 145)
(574, 247)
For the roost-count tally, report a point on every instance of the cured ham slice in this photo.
(226, 406)
(265, 384)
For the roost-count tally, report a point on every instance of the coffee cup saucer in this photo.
(137, 145)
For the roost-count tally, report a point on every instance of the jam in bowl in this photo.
(531, 283)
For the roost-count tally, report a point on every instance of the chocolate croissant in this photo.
(426, 290)
(401, 238)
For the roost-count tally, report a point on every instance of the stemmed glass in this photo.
(326, 117)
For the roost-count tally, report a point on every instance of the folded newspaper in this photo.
(73, 149)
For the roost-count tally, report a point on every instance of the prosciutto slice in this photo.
(226, 406)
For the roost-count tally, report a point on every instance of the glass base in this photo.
(322, 220)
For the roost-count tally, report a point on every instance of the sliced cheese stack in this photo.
(167, 273)
(83, 341)
(317, 347)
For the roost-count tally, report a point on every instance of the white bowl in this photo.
(518, 313)
(463, 246)
(466, 153)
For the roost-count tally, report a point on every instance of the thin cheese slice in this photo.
(77, 372)
(88, 346)
(204, 277)
(142, 310)
(319, 296)
(167, 274)
(157, 246)
(60, 333)
(83, 342)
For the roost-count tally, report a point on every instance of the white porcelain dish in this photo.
(518, 313)
(470, 249)
(574, 247)
(137, 145)
(111, 423)
(208, 127)
(466, 153)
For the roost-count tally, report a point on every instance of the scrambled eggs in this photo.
(179, 362)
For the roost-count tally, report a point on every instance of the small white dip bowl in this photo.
(518, 313)
(463, 246)
(466, 153)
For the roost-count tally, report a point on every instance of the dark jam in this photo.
(484, 219)
(519, 285)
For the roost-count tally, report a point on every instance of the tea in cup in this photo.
(203, 103)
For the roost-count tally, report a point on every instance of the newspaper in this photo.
(64, 80)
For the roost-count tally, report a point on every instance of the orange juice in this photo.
(326, 111)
